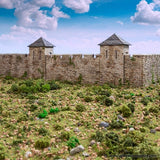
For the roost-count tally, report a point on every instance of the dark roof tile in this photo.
(113, 41)
(41, 42)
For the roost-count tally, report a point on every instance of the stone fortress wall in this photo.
(113, 65)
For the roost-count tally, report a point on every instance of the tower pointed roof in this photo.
(114, 40)
(41, 42)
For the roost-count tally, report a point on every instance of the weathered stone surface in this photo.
(131, 129)
(152, 131)
(104, 124)
(112, 65)
(76, 150)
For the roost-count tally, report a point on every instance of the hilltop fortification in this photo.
(112, 65)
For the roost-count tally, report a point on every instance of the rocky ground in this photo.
(55, 120)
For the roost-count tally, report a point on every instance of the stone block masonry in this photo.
(112, 65)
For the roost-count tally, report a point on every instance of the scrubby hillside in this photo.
(47, 120)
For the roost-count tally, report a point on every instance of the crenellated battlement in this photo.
(112, 65)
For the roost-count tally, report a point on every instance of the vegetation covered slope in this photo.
(45, 120)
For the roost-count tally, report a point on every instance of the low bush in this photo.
(42, 131)
(33, 107)
(72, 142)
(108, 101)
(116, 124)
(132, 107)
(42, 143)
(154, 109)
(105, 92)
(2, 152)
(45, 88)
(53, 85)
(58, 127)
(144, 101)
(125, 110)
(33, 86)
(54, 110)
(88, 99)
(64, 135)
(112, 138)
(80, 108)
(1, 109)
(44, 114)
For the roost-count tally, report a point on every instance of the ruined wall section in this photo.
(73, 68)
(151, 69)
(133, 70)
(14, 64)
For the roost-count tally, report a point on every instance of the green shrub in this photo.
(54, 103)
(101, 98)
(14, 88)
(1, 109)
(53, 85)
(58, 127)
(144, 101)
(2, 155)
(112, 138)
(67, 108)
(116, 124)
(80, 94)
(88, 99)
(99, 136)
(41, 102)
(105, 92)
(108, 101)
(54, 110)
(44, 114)
(43, 131)
(33, 107)
(154, 109)
(80, 108)
(17, 142)
(125, 110)
(8, 77)
(31, 96)
(132, 107)
(64, 135)
(142, 129)
(73, 142)
(2, 152)
(46, 88)
(146, 149)
(42, 143)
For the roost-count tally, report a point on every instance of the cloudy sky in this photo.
(77, 26)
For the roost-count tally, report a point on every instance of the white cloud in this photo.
(30, 15)
(147, 13)
(43, 3)
(8, 4)
(158, 32)
(18, 39)
(120, 22)
(79, 6)
(59, 14)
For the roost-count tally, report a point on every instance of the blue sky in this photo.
(77, 26)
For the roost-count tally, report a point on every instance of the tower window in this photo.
(106, 54)
(116, 54)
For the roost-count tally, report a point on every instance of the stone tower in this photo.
(114, 46)
(40, 48)
(113, 51)
(37, 57)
